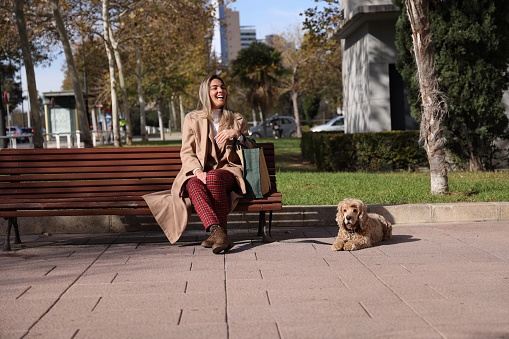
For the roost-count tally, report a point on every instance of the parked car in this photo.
(278, 126)
(335, 125)
(16, 130)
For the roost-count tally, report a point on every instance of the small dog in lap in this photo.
(357, 228)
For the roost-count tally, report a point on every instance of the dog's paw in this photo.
(350, 246)
(337, 246)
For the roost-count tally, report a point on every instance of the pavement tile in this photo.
(161, 301)
(258, 330)
(243, 298)
(443, 312)
(200, 285)
(5, 334)
(358, 328)
(298, 272)
(100, 290)
(203, 316)
(117, 319)
(304, 312)
(19, 315)
(244, 273)
(474, 291)
(488, 329)
(303, 282)
(209, 331)
(59, 333)
(333, 296)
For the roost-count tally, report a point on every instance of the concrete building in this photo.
(373, 92)
(247, 35)
(230, 35)
(233, 36)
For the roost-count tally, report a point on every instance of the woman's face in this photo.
(217, 93)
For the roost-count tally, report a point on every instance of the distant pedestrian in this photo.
(211, 174)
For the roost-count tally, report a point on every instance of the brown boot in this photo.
(221, 241)
(207, 243)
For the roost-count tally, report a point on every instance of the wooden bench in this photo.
(100, 181)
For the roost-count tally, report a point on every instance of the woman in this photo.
(211, 175)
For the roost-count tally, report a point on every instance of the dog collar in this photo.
(352, 231)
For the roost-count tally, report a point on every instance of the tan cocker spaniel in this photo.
(357, 228)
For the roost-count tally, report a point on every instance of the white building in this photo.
(373, 93)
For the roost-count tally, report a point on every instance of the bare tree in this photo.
(289, 44)
(73, 74)
(434, 105)
(113, 80)
(30, 73)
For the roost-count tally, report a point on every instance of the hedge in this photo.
(371, 152)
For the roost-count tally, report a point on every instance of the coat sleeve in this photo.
(244, 127)
(188, 154)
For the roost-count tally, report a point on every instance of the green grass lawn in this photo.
(301, 184)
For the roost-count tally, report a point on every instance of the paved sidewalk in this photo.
(428, 281)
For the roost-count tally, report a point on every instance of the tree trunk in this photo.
(475, 162)
(173, 111)
(30, 73)
(181, 104)
(3, 127)
(182, 117)
(123, 90)
(295, 102)
(160, 118)
(141, 98)
(434, 106)
(84, 124)
(262, 119)
(113, 80)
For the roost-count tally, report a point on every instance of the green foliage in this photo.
(258, 68)
(311, 105)
(370, 152)
(471, 41)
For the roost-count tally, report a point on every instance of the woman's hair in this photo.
(205, 106)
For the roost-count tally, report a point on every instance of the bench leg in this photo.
(263, 228)
(12, 222)
(7, 244)
(17, 239)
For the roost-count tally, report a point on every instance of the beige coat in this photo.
(172, 208)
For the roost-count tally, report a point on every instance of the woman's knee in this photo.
(215, 175)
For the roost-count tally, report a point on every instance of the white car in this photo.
(335, 125)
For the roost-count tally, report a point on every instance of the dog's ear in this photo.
(363, 214)
(339, 215)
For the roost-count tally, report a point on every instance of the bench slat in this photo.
(4, 181)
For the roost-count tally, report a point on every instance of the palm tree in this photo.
(258, 68)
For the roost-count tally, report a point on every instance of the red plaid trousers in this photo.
(210, 200)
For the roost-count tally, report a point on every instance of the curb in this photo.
(290, 216)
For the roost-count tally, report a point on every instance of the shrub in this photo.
(371, 152)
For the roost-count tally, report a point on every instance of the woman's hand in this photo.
(201, 175)
(227, 134)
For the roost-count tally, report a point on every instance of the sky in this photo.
(268, 17)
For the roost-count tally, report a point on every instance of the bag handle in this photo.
(251, 140)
